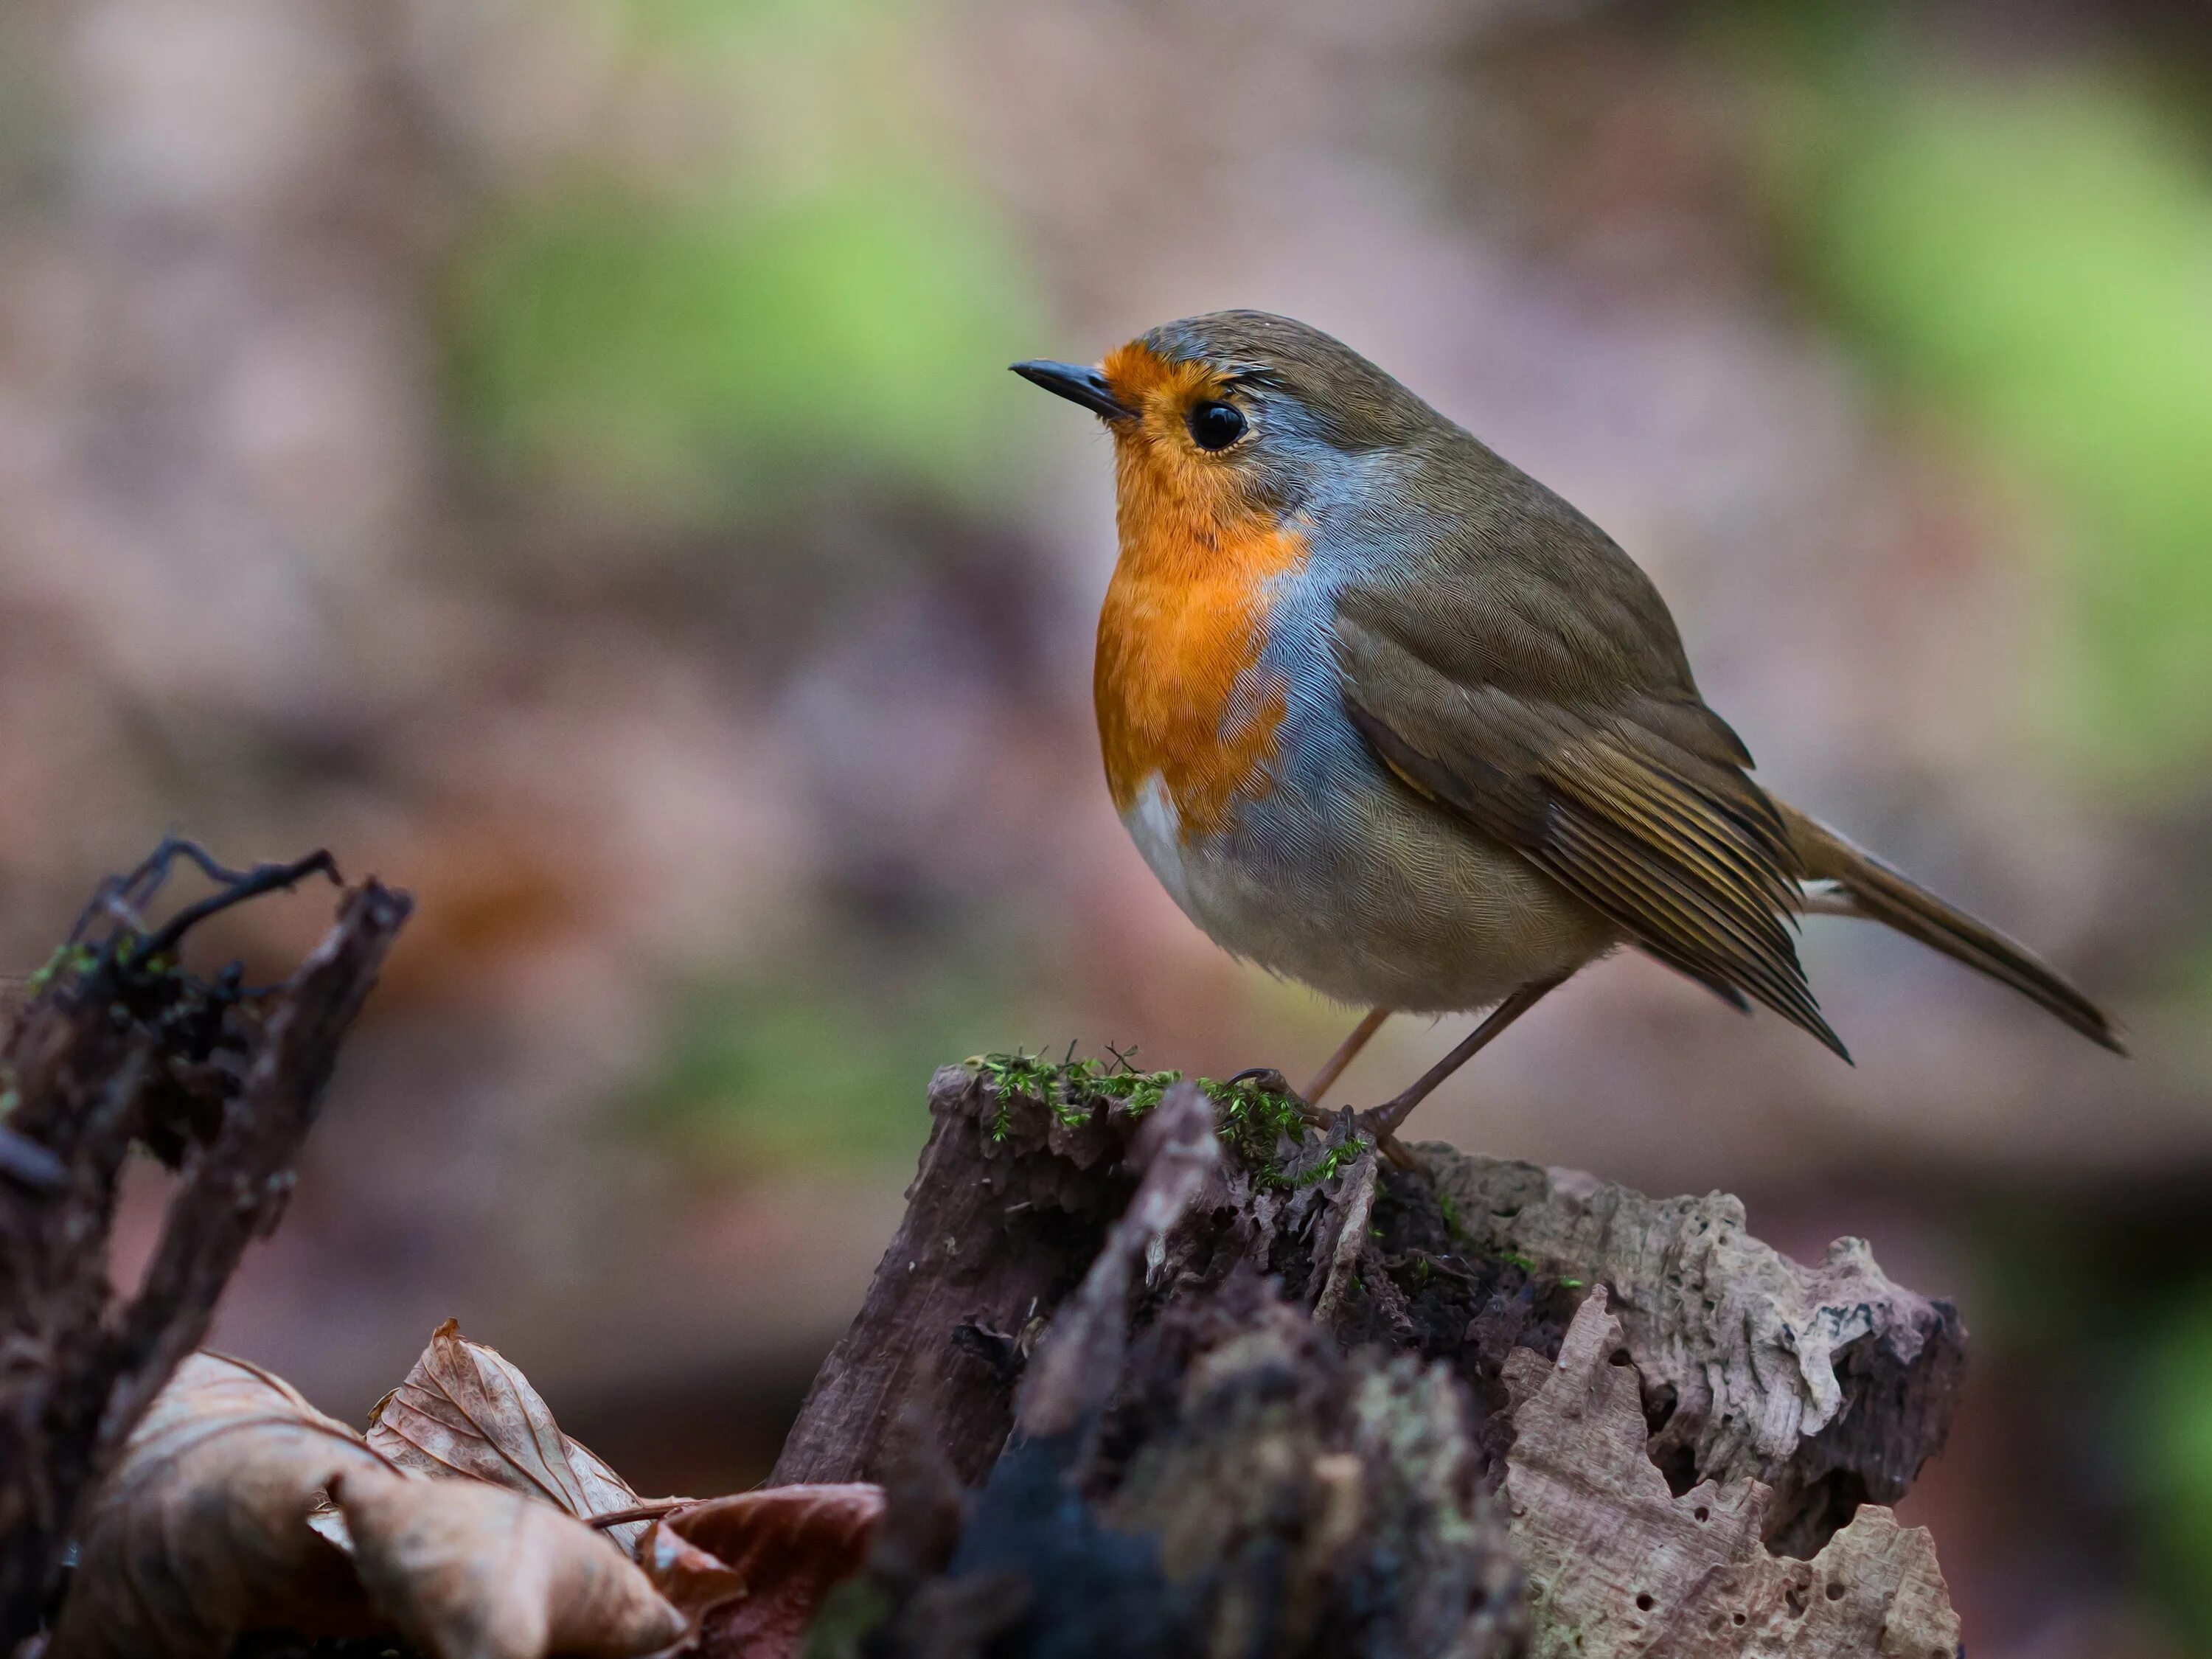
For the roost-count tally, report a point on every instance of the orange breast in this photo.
(1177, 685)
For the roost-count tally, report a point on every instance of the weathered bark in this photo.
(1624, 1565)
(1329, 1414)
(990, 1241)
(123, 1047)
(1829, 1384)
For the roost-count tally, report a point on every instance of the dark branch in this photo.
(120, 1046)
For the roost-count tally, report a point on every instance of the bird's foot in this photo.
(1379, 1127)
(1378, 1124)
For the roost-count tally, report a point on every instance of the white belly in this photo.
(1157, 828)
(1388, 902)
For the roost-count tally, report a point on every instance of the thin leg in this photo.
(1385, 1118)
(1347, 1052)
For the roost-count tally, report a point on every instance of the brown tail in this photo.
(1874, 890)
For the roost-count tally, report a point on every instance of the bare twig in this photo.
(120, 1045)
(651, 1511)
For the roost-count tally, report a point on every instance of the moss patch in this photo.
(1254, 1122)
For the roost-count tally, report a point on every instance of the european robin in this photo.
(1388, 717)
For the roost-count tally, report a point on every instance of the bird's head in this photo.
(1238, 414)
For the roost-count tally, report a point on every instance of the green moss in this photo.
(1074, 1091)
(1449, 1211)
(73, 960)
(69, 959)
(1252, 1121)
(1138, 1091)
(1331, 1162)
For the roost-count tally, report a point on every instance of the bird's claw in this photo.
(1268, 1081)
(1376, 1124)
(1372, 1122)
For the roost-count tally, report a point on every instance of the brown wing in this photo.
(1558, 717)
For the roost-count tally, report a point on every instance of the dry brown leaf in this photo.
(200, 1533)
(694, 1580)
(1619, 1565)
(751, 1569)
(465, 1409)
(471, 1570)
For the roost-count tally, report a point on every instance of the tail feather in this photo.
(1873, 890)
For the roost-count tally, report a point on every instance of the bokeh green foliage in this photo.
(2172, 1458)
(730, 343)
(2029, 254)
(2026, 252)
(812, 1065)
(809, 299)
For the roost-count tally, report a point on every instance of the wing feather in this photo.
(1637, 802)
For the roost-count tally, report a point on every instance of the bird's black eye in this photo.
(1216, 425)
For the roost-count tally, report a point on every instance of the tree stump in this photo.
(1159, 1370)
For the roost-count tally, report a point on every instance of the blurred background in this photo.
(557, 454)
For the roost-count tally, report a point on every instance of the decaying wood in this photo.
(120, 1047)
(1827, 1383)
(1301, 1426)
(1617, 1563)
(1067, 1389)
(989, 1240)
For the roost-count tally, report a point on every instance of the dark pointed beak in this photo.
(1077, 385)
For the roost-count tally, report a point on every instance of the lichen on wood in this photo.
(1827, 1383)
(1620, 1565)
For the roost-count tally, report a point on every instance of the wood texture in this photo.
(1303, 1425)
(122, 1047)
(1828, 1383)
(1001, 1222)
(1619, 1564)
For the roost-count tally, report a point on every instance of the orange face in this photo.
(1180, 691)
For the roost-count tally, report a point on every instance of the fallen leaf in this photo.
(1618, 1566)
(471, 1570)
(200, 1533)
(466, 1409)
(751, 1569)
(693, 1580)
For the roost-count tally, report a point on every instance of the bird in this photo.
(1387, 716)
